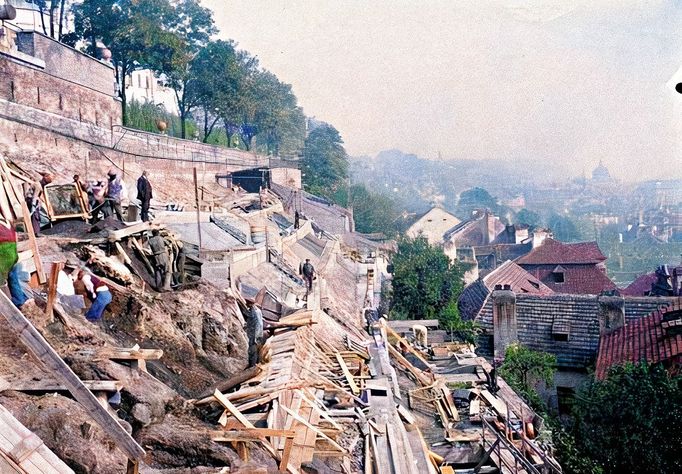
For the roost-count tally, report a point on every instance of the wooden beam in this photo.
(250, 434)
(26, 215)
(114, 235)
(52, 386)
(43, 352)
(52, 289)
(349, 377)
(300, 419)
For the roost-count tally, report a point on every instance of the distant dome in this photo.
(601, 173)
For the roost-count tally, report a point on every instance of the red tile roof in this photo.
(642, 339)
(509, 273)
(554, 252)
(578, 279)
(640, 286)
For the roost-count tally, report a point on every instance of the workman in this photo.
(9, 271)
(144, 194)
(115, 192)
(254, 331)
(158, 246)
(98, 292)
(308, 272)
(99, 192)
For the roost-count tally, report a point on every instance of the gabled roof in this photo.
(473, 297)
(640, 286)
(644, 339)
(553, 252)
(539, 315)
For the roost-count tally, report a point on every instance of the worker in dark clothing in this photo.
(158, 246)
(115, 192)
(297, 218)
(308, 272)
(254, 331)
(144, 194)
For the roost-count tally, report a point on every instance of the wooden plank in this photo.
(406, 415)
(499, 405)
(53, 386)
(474, 407)
(349, 377)
(43, 352)
(26, 215)
(250, 434)
(114, 235)
(52, 289)
(314, 428)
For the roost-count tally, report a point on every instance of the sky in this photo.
(567, 82)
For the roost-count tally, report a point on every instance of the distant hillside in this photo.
(419, 181)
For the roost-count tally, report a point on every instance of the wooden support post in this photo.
(133, 467)
(52, 289)
(196, 198)
(26, 215)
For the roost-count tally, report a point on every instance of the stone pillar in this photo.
(611, 313)
(504, 320)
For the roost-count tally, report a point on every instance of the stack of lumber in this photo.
(21, 451)
(299, 370)
(13, 209)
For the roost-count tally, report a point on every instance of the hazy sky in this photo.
(568, 81)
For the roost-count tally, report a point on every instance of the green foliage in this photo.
(325, 162)
(523, 368)
(426, 284)
(449, 318)
(564, 228)
(372, 212)
(529, 218)
(143, 116)
(630, 422)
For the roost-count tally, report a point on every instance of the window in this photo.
(558, 277)
(560, 337)
(565, 399)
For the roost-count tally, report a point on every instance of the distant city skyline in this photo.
(574, 82)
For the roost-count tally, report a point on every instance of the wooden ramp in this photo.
(21, 451)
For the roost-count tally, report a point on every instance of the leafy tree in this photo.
(529, 218)
(426, 284)
(372, 212)
(475, 198)
(564, 228)
(523, 368)
(192, 27)
(325, 161)
(136, 31)
(630, 422)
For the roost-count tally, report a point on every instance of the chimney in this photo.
(504, 319)
(611, 313)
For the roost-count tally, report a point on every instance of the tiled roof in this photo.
(473, 296)
(644, 339)
(554, 252)
(578, 279)
(640, 286)
(538, 316)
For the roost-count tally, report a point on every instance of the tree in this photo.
(523, 368)
(372, 212)
(630, 422)
(564, 228)
(137, 32)
(325, 161)
(192, 27)
(426, 284)
(475, 198)
(529, 218)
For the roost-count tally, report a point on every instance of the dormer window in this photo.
(561, 329)
(558, 274)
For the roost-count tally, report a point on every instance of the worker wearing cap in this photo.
(254, 331)
(115, 192)
(144, 194)
(9, 272)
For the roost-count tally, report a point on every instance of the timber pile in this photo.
(13, 208)
(502, 423)
(299, 373)
(124, 253)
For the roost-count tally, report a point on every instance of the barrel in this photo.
(258, 234)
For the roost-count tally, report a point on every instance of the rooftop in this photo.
(644, 339)
(553, 252)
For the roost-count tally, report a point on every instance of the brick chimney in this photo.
(504, 319)
(611, 313)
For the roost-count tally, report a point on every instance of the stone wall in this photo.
(37, 89)
(68, 64)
